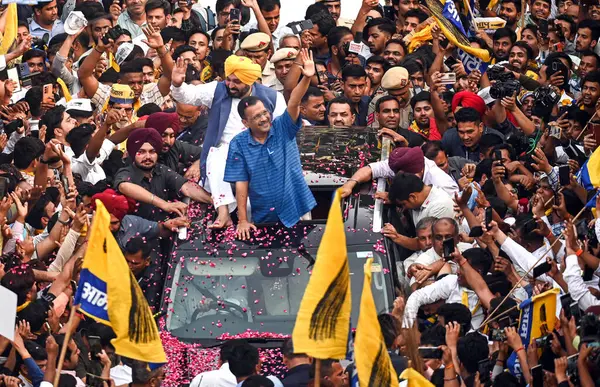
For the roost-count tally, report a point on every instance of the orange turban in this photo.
(247, 71)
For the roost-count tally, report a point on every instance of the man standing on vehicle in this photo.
(266, 155)
(224, 121)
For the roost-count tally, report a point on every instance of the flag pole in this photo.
(317, 372)
(63, 350)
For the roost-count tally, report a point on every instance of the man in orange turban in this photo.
(224, 122)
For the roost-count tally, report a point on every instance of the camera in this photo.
(519, 141)
(113, 33)
(498, 73)
(545, 98)
(506, 85)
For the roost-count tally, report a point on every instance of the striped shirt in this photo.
(277, 189)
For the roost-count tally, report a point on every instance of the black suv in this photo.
(222, 287)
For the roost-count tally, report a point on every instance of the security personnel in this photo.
(257, 47)
(396, 83)
(283, 59)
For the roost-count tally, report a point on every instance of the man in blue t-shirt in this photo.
(264, 161)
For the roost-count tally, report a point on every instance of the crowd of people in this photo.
(153, 106)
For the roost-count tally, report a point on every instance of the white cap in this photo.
(80, 106)
(75, 22)
(485, 95)
(123, 52)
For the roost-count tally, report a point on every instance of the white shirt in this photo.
(577, 288)
(204, 94)
(431, 256)
(217, 378)
(91, 172)
(445, 289)
(523, 259)
(432, 175)
(438, 204)
(274, 379)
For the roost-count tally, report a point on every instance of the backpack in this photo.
(206, 16)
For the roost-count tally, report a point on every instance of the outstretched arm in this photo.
(308, 70)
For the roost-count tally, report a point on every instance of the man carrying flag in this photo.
(109, 293)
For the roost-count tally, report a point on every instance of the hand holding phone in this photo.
(448, 248)
(564, 175)
(234, 15)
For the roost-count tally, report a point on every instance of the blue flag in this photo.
(451, 13)
(471, 62)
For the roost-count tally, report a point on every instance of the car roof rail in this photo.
(386, 147)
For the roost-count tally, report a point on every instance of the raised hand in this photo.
(153, 38)
(178, 75)
(308, 68)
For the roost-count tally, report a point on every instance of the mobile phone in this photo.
(543, 27)
(234, 15)
(448, 248)
(595, 129)
(430, 353)
(537, 374)
(3, 183)
(575, 311)
(300, 26)
(489, 212)
(572, 370)
(13, 74)
(498, 155)
(24, 70)
(95, 346)
(555, 131)
(498, 335)
(484, 371)
(450, 61)
(564, 175)
(48, 93)
(448, 78)
(389, 12)
(476, 232)
(541, 269)
(565, 302)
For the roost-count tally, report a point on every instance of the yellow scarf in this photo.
(25, 304)
(65, 89)
(465, 302)
(415, 128)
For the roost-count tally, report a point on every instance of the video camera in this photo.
(545, 98)
(506, 84)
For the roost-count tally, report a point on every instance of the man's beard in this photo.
(143, 167)
(238, 94)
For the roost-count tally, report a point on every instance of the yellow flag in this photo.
(10, 29)
(323, 321)
(109, 293)
(415, 379)
(456, 37)
(373, 362)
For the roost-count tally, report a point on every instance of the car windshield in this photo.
(226, 286)
(257, 292)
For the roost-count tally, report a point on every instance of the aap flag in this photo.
(471, 62)
(451, 14)
(109, 293)
(538, 315)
